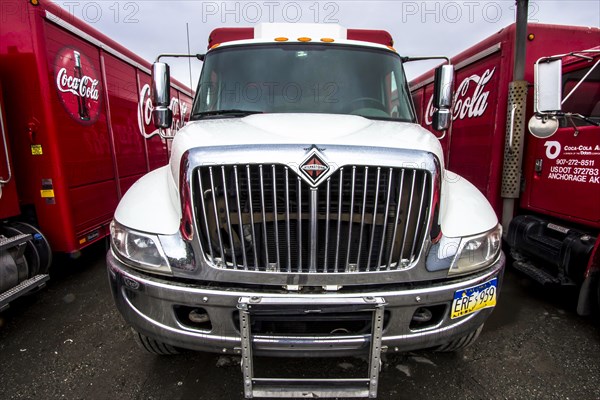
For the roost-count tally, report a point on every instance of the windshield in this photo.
(303, 78)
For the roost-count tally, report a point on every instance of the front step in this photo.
(22, 288)
(309, 388)
(539, 275)
(8, 242)
(250, 307)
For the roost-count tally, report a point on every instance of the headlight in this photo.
(477, 252)
(140, 250)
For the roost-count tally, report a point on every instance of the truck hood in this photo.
(302, 129)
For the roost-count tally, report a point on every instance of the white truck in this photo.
(304, 212)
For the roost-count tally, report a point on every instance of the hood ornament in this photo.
(314, 167)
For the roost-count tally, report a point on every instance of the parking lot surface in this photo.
(69, 342)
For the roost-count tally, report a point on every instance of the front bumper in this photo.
(148, 304)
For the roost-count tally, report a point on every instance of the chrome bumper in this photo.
(148, 304)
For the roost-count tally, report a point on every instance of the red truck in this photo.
(553, 230)
(76, 133)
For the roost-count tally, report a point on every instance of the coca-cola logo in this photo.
(180, 114)
(78, 85)
(467, 103)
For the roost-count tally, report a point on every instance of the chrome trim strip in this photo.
(452, 283)
(275, 218)
(287, 220)
(229, 227)
(239, 207)
(205, 216)
(482, 54)
(252, 219)
(218, 223)
(462, 64)
(362, 217)
(264, 216)
(418, 225)
(373, 226)
(350, 219)
(327, 199)
(89, 38)
(407, 223)
(385, 218)
(398, 209)
(299, 218)
(312, 266)
(339, 221)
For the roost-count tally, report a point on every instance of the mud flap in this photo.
(587, 294)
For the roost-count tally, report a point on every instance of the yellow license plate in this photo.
(469, 300)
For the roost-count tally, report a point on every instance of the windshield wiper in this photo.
(227, 113)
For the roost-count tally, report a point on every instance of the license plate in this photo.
(469, 300)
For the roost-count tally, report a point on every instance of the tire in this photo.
(154, 346)
(598, 300)
(460, 343)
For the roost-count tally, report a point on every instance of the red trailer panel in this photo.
(474, 147)
(9, 200)
(553, 233)
(77, 127)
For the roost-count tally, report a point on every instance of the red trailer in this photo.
(555, 227)
(75, 135)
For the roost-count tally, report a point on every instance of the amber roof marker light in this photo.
(304, 39)
(327, 40)
(281, 39)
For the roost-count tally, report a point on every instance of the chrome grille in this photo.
(266, 218)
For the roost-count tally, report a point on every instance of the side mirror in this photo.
(442, 97)
(547, 92)
(441, 119)
(162, 116)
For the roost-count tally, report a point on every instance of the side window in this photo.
(586, 99)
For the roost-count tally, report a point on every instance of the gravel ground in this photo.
(69, 342)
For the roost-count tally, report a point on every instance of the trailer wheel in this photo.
(460, 343)
(153, 346)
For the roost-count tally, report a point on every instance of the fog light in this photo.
(193, 317)
(199, 316)
(422, 315)
(427, 317)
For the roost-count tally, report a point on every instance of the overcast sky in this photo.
(150, 27)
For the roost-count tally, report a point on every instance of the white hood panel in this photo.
(304, 130)
(464, 211)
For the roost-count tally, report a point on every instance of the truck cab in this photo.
(304, 212)
(556, 240)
